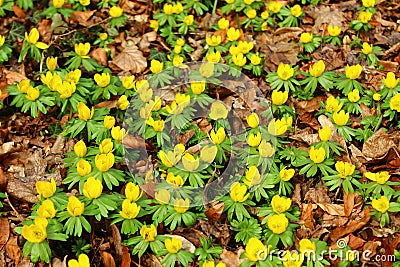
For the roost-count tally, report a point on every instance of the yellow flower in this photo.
(390, 81)
(83, 261)
(198, 87)
(395, 102)
(102, 80)
(84, 113)
(129, 209)
(265, 15)
(279, 98)
(381, 205)
(148, 233)
(365, 16)
(248, 2)
(33, 38)
(317, 155)
(171, 158)
(32, 94)
(156, 66)
(229, 1)
(218, 111)
(116, 12)
(218, 137)
(35, 233)
(306, 37)
(254, 139)
(325, 133)
(380, 177)
(251, 14)
(158, 125)
(106, 146)
(238, 192)
(277, 127)
(83, 167)
(212, 264)
(368, 3)
(51, 62)
(92, 188)
(278, 223)
(367, 49)
(58, 3)
(154, 24)
(82, 49)
(207, 69)
(2, 39)
(275, 6)
(253, 120)
(353, 72)
(118, 133)
(104, 162)
(103, 36)
(46, 189)
(255, 59)
(255, 250)
(133, 192)
(73, 76)
(80, 149)
(239, 60)
(253, 176)
(292, 259)
(24, 85)
(190, 163)
(174, 180)
(354, 96)
(265, 149)
(285, 72)
(188, 20)
(376, 97)
(317, 69)
(307, 247)
(296, 11)
(223, 23)
(162, 196)
(332, 104)
(334, 30)
(84, 2)
(173, 245)
(66, 89)
(213, 57)
(245, 47)
(341, 118)
(344, 169)
(178, 8)
(46, 209)
(182, 99)
(181, 206)
(109, 122)
(280, 204)
(208, 153)
(168, 9)
(286, 175)
(177, 61)
(75, 207)
(214, 40)
(233, 34)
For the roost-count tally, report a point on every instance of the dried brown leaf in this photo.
(131, 59)
(4, 231)
(19, 12)
(353, 226)
(100, 55)
(348, 203)
(13, 250)
(13, 77)
(126, 257)
(332, 209)
(81, 16)
(232, 259)
(108, 259)
(215, 210)
(378, 144)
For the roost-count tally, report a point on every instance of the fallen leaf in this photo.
(355, 242)
(44, 30)
(348, 203)
(4, 231)
(3, 180)
(326, 15)
(215, 210)
(100, 55)
(13, 77)
(353, 226)
(307, 215)
(126, 257)
(19, 12)
(108, 259)
(108, 104)
(232, 259)
(332, 209)
(378, 144)
(131, 59)
(305, 135)
(117, 240)
(13, 250)
(131, 141)
(81, 16)
(184, 138)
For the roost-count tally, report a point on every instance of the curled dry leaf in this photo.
(131, 59)
(13, 250)
(81, 16)
(4, 231)
(378, 144)
(100, 56)
(108, 259)
(353, 226)
(232, 259)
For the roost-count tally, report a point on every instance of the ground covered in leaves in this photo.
(199, 133)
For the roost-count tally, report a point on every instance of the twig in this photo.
(88, 27)
(12, 207)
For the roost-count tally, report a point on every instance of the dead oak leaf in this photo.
(131, 59)
(81, 16)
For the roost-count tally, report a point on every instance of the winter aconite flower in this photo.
(325, 133)
(46, 189)
(380, 177)
(109, 122)
(390, 81)
(344, 169)
(296, 11)
(103, 79)
(82, 49)
(208, 153)
(218, 111)
(366, 48)
(334, 30)
(181, 205)
(286, 175)
(198, 87)
(233, 34)
(36, 232)
(279, 98)
(253, 176)
(353, 72)
(251, 14)
(116, 12)
(292, 259)
(277, 127)
(92, 188)
(306, 37)
(317, 69)
(84, 113)
(280, 204)
(214, 40)
(365, 16)
(218, 137)
(368, 3)
(213, 264)
(265, 149)
(223, 24)
(395, 103)
(118, 133)
(255, 250)
(278, 223)
(190, 163)
(58, 3)
(80, 149)
(239, 60)
(173, 245)
(317, 155)
(275, 6)
(106, 146)
(162, 196)
(32, 94)
(188, 20)
(46, 209)
(254, 139)
(238, 192)
(83, 261)
(213, 57)
(75, 207)
(66, 89)
(341, 118)
(253, 120)
(156, 66)
(51, 63)
(104, 162)
(83, 167)
(285, 72)
(255, 60)
(333, 105)
(33, 38)
(148, 233)
(382, 204)
(307, 246)
(129, 209)
(354, 96)
(174, 180)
